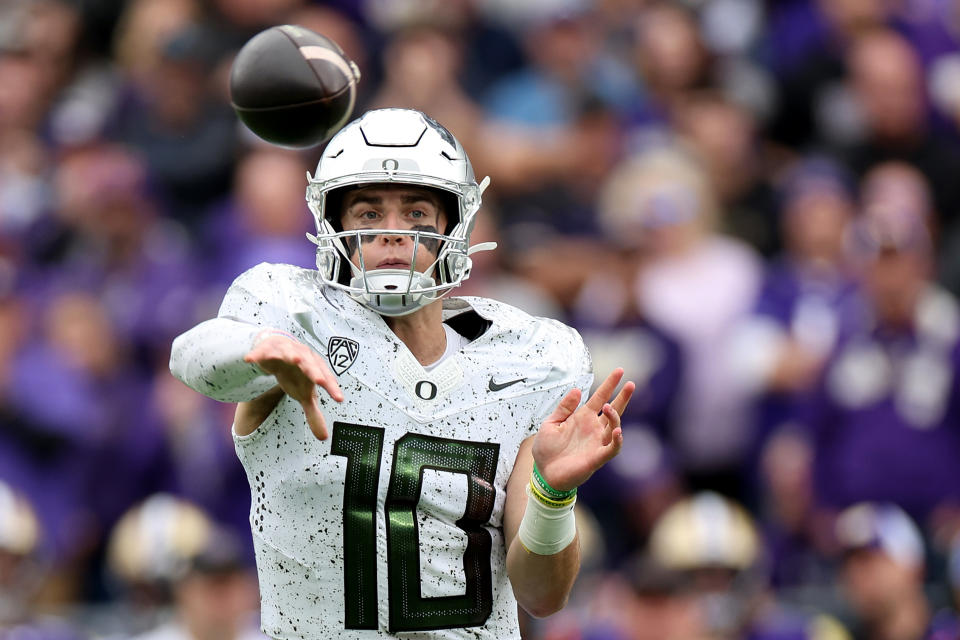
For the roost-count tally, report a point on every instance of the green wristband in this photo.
(549, 491)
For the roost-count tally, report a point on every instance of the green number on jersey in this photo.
(362, 446)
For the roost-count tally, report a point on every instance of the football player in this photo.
(429, 487)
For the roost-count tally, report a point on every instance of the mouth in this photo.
(393, 263)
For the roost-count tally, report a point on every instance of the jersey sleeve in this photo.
(582, 369)
(209, 357)
(571, 366)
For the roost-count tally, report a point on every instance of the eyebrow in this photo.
(366, 198)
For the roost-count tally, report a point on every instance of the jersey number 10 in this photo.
(362, 446)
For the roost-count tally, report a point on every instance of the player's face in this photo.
(393, 207)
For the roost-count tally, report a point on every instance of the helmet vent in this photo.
(337, 154)
(392, 133)
(447, 155)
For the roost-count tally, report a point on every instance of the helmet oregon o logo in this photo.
(390, 164)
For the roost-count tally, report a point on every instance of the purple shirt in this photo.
(802, 304)
(81, 448)
(887, 419)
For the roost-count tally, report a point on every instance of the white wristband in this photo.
(546, 530)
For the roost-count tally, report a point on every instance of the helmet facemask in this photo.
(427, 162)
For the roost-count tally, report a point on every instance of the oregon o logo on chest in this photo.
(425, 390)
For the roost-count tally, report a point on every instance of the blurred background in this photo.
(753, 205)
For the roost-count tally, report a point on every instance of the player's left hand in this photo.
(573, 443)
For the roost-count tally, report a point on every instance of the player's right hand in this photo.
(299, 370)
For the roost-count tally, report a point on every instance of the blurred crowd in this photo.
(752, 205)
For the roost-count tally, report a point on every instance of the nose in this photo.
(392, 220)
(388, 239)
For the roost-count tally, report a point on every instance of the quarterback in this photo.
(413, 458)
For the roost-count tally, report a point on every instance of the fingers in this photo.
(276, 349)
(331, 386)
(277, 354)
(604, 391)
(616, 443)
(610, 420)
(623, 398)
(567, 406)
(299, 370)
(315, 419)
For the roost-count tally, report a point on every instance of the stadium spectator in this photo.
(808, 299)
(566, 68)
(890, 91)
(725, 135)
(181, 576)
(704, 577)
(24, 574)
(421, 65)
(884, 424)
(182, 126)
(107, 236)
(695, 285)
(494, 274)
(263, 220)
(808, 43)
(882, 576)
(671, 59)
(627, 496)
(203, 465)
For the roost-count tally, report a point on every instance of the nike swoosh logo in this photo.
(493, 386)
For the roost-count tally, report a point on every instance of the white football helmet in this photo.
(395, 146)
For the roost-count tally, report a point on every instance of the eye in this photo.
(418, 214)
(369, 215)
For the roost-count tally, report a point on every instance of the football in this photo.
(293, 87)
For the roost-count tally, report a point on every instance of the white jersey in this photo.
(393, 524)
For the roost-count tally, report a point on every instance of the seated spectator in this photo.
(695, 285)
(884, 426)
(24, 574)
(889, 86)
(651, 602)
(672, 59)
(566, 65)
(882, 576)
(726, 135)
(494, 273)
(807, 301)
(183, 577)
(204, 468)
(713, 543)
(182, 124)
(263, 220)
(806, 298)
(106, 236)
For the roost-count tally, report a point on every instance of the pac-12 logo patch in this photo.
(342, 352)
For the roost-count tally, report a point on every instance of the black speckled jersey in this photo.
(393, 525)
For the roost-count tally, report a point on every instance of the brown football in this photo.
(293, 87)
